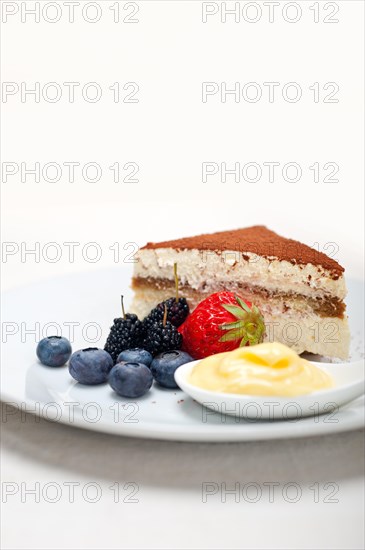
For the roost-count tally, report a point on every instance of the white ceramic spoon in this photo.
(349, 384)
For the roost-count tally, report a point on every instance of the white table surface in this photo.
(170, 512)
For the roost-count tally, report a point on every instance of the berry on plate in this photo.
(161, 336)
(177, 309)
(126, 333)
(130, 379)
(90, 366)
(222, 322)
(136, 355)
(163, 367)
(54, 351)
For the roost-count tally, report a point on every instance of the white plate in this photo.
(161, 414)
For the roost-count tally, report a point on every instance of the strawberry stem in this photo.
(249, 326)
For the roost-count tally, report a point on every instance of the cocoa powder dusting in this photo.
(257, 240)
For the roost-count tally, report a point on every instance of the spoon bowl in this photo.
(349, 384)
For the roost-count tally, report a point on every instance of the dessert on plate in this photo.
(299, 291)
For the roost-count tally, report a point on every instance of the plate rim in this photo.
(178, 433)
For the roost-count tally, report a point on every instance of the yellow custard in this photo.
(264, 369)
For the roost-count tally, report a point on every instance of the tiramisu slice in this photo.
(299, 290)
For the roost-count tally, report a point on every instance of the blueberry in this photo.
(164, 365)
(90, 366)
(130, 379)
(136, 355)
(54, 351)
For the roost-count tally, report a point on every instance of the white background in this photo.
(169, 133)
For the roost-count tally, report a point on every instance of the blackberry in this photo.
(126, 332)
(177, 312)
(177, 309)
(161, 336)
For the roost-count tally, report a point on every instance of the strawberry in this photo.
(222, 322)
